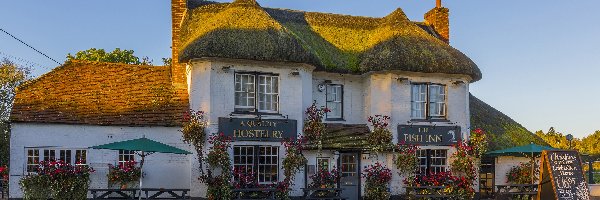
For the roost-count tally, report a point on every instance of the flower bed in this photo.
(377, 179)
(124, 174)
(457, 187)
(57, 180)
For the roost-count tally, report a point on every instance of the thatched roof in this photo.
(84, 92)
(330, 42)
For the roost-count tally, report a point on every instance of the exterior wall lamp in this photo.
(401, 79)
(226, 69)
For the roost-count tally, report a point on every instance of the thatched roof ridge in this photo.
(330, 42)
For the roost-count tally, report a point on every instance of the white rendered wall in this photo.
(162, 170)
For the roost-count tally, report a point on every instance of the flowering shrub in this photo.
(463, 161)
(324, 179)
(57, 180)
(377, 179)
(380, 137)
(293, 161)
(4, 173)
(314, 128)
(124, 173)
(193, 131)
(406, 159)
(219, 186)
(520, 174)
(457, 187)
(217, 156)
(479, 142)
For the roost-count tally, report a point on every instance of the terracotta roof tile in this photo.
(81, 92)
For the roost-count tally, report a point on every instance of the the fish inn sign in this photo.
(429, 135)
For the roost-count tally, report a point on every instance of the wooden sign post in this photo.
(561, 176)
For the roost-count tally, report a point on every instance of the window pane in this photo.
(334, 101)
(81, 157)
(268, 93)
(49, 155)
(33, 158)
(65, 155)
(418, 101)
(268, 164)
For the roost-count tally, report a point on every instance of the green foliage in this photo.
(219, 185)
(314, 128)
(522, 174)
(380, 138)
(11, 76)
(57, 180)
(167, 61)
(558, 140)
(406, 160)
(116, 56)
(503, 132)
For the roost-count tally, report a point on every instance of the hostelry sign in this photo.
(429, 135)
(243, 129)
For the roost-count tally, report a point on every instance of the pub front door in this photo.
(350, 181)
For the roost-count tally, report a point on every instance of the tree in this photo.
(11, 76)
(558, 140)
(116, 56)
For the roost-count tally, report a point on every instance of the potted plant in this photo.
(124, 174)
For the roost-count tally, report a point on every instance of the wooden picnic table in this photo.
(149, 193)
(262, 193)
(330, 193)
(515, 190)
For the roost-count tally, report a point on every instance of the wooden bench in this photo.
(149, 193)
(427, 192)
(262, 193)
(516, 190)
(332, 193)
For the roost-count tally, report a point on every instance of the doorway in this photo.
(350, 171)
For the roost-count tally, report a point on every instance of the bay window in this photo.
(428, 101)
(256, 92)
(261, 161)
(334, 101)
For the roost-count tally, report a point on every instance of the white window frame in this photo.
(83, 154)
(320, 160)
(434, 156)
(261, 95)
(422, 101)
(259, 169)
(130, 155)
(49, 154)
(337, 90)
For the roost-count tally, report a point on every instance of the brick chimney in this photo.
(178, 9)
(438, 18)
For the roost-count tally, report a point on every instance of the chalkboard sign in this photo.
(561, 176)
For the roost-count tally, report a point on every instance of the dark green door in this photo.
(350, 181)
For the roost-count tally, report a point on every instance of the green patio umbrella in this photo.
(143, 147)
(522, 151)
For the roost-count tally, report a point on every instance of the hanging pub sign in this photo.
(429, 135)
(249, 129)
(561, 176)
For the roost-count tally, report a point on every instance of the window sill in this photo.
(335, 120)
(256, 113)
(429, 120)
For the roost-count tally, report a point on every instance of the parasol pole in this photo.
(141, 173)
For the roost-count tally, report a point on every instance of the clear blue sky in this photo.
(540, 58)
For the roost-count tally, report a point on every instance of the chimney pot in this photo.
(438, 3)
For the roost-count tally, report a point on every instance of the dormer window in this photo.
(256, 92)
(428, 101)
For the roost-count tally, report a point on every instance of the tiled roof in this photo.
(81, 92)
(344, 137)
